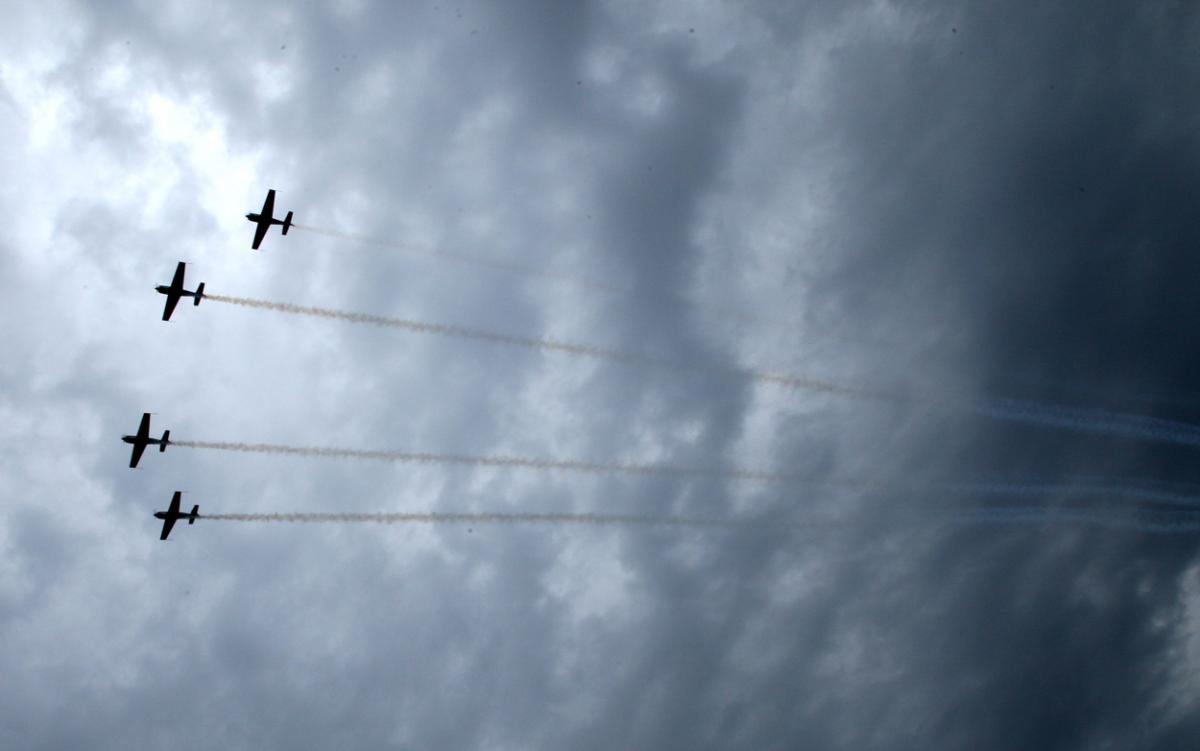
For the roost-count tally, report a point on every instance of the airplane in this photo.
(265, 218)
(172, 515)
(143, 439)
(175, 290)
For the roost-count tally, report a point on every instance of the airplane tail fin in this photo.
(287, 222)
(199, 294)
(162, 446)
(194, 515)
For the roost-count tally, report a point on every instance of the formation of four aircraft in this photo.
(263, 221)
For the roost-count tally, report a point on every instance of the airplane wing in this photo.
(268, 209)
(260, 231)
(171, 515)
(139, 440)
(173, 291)
(169, 308)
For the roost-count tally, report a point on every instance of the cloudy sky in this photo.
(975, 220)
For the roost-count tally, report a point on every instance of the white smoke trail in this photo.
(1067, 487)
(1146, 522)
(1135, 394)
(489, 263)
(409, 457)
(553, 345)
(1102, 487)
(1096, 421)
(596, 520)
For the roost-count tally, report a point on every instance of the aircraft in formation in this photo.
(265, 218)
(175, 290)
(143, 439)
(173, 514)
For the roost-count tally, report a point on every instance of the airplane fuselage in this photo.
(260, 219)
(136, 440)
(163, 289)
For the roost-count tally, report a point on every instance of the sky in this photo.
(927, 270)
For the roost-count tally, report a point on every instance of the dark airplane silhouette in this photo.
(175, 290)
(265, 218)
(172, 515)
(143, 439)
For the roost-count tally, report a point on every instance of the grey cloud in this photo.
(956, 237)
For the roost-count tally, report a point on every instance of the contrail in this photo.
(554, 345)
(1147, 522)
(597, 520)
(490, 263)
(1143, 395)
(1082, 486)
(1094, 421)
(408, 457)
(1067, 487)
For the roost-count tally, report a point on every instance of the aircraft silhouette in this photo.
(143, 439)
(175, 290)
(265, 218)
(172, 515)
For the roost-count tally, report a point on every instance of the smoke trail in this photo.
(554, 345)
(407, 457)
(1095, 421)
(596, 520)
(490, 263)
(1147, 522)
(1069, 487)
(1143, 396)
(1081, 486)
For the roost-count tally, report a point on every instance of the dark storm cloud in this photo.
(1008, 218)
(1024, 175)
(1088, 287)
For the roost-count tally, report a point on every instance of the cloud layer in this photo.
(963, 204)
